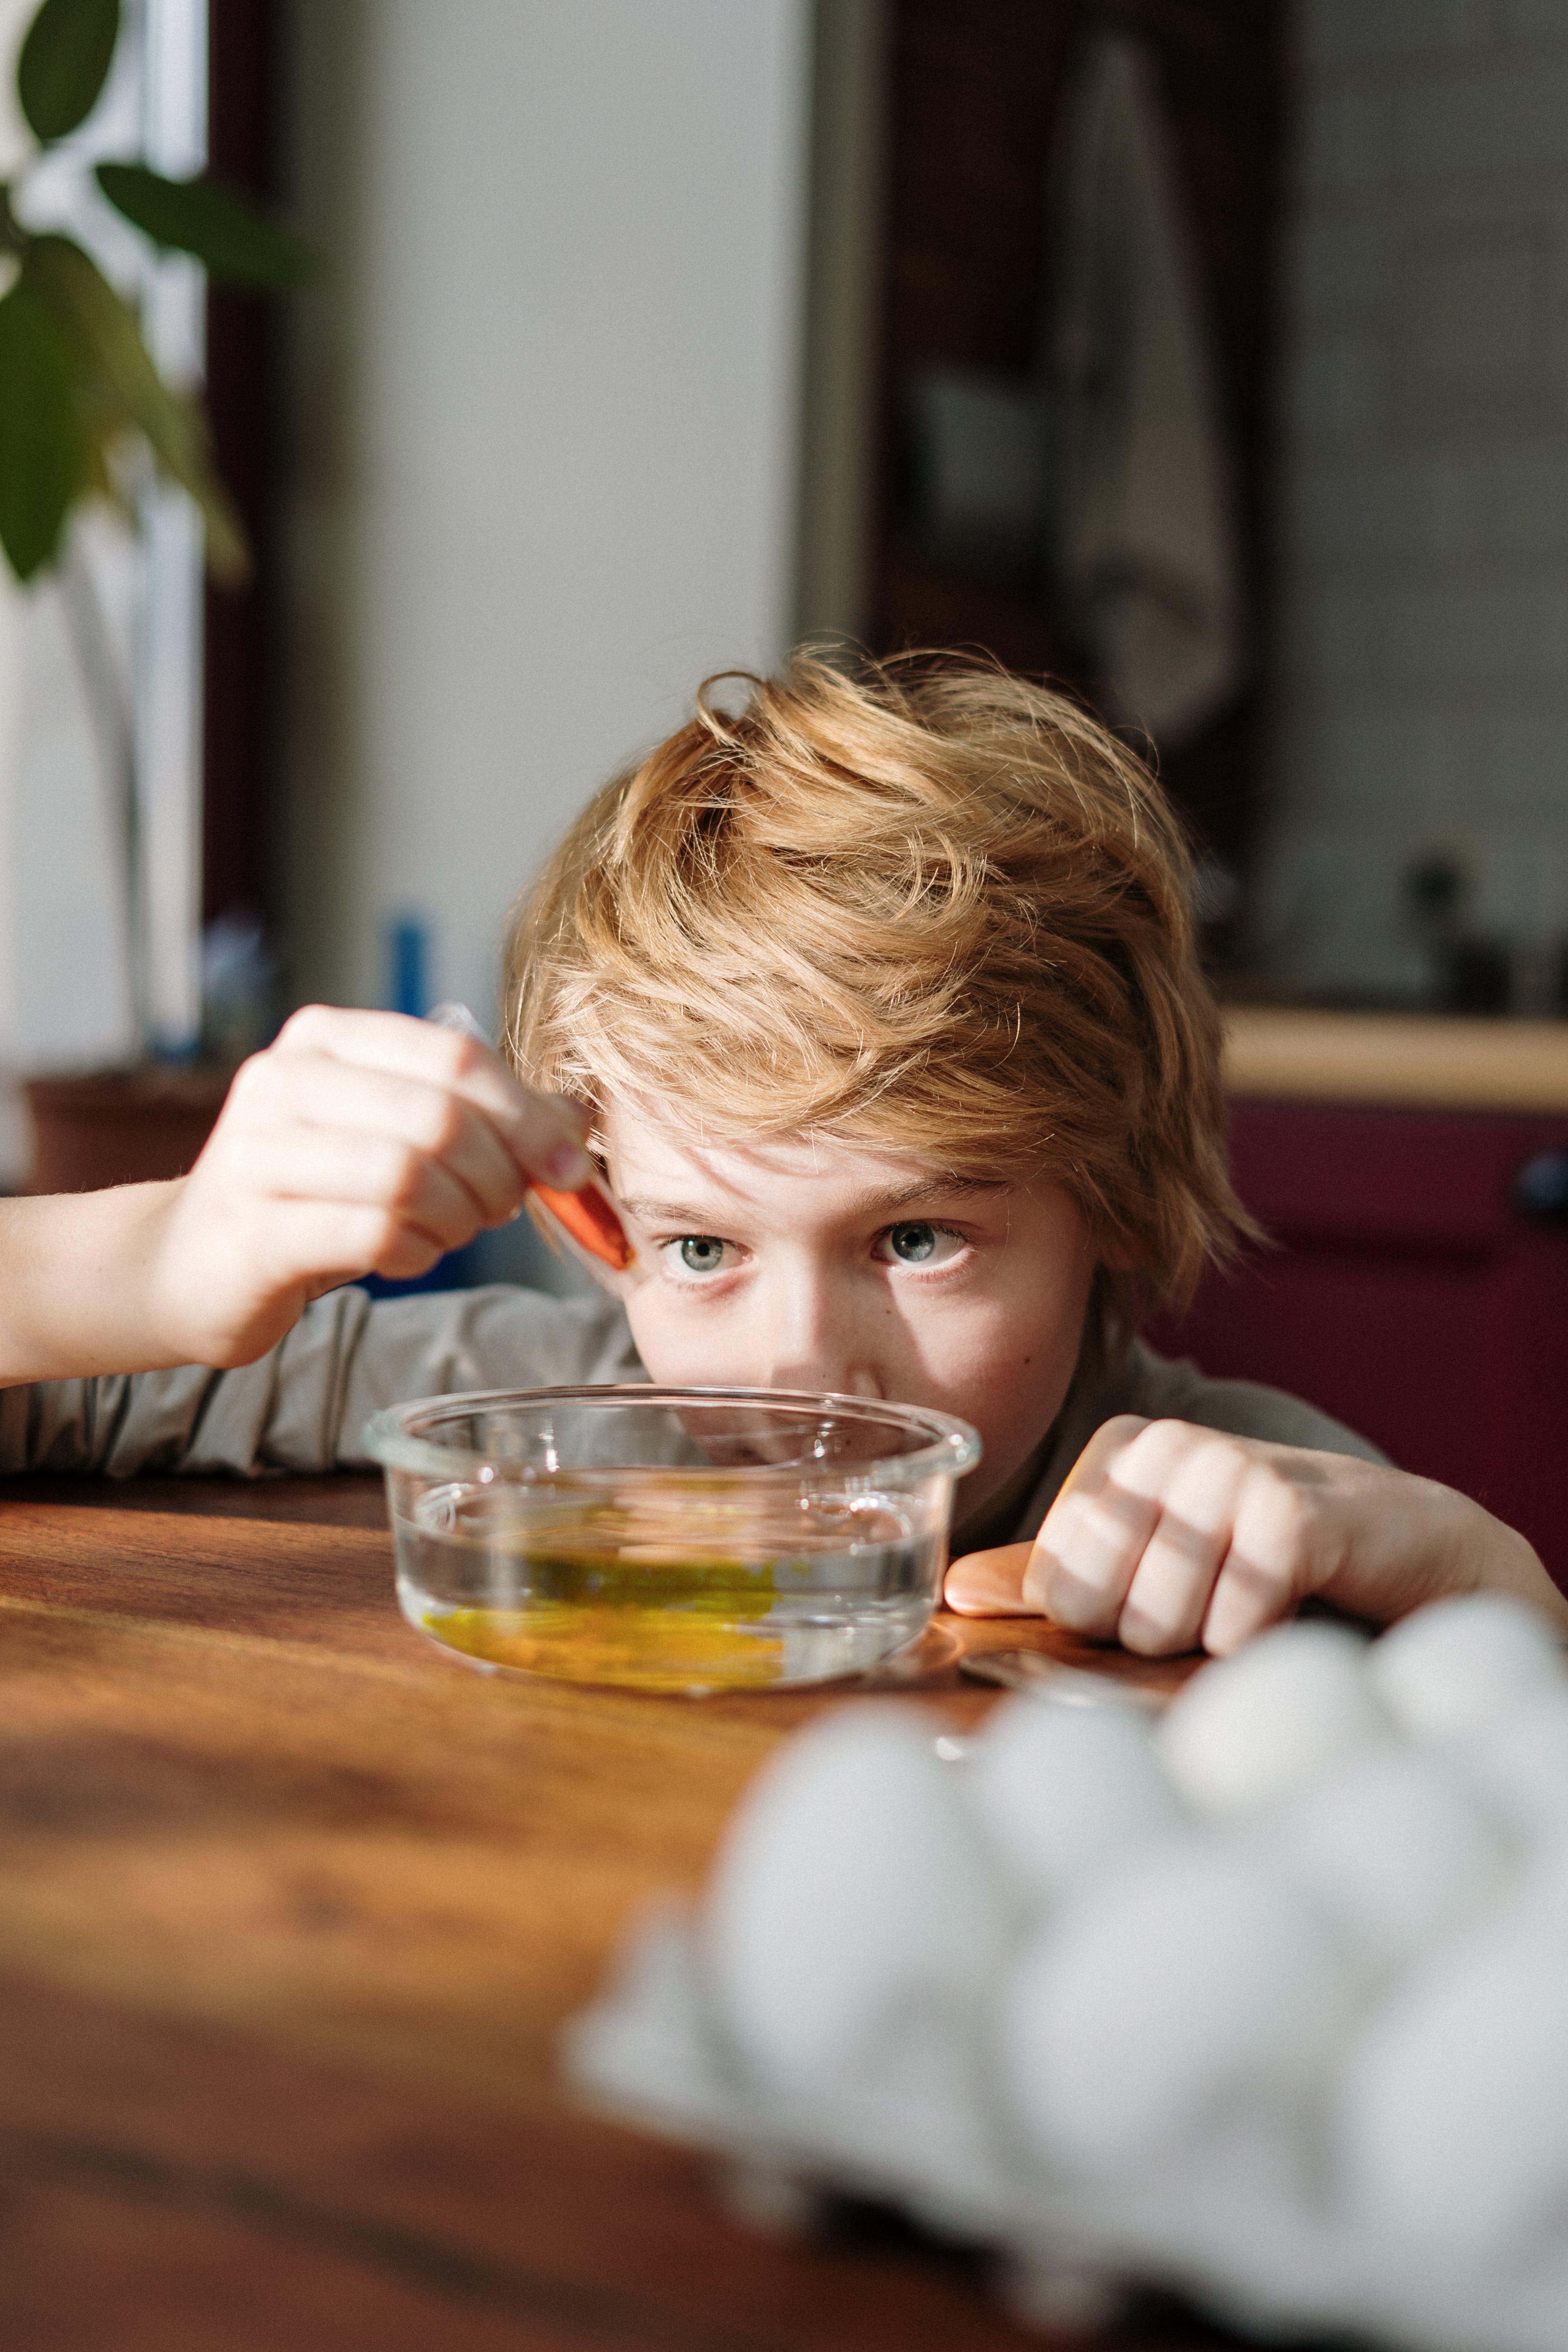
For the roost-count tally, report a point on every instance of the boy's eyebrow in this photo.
(661, 1212)
(901, 1196)
(929, 1188)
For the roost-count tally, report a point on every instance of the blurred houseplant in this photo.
(85, 415)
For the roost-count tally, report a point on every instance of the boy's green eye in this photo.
(700, 1253)
(918, 1242)
(913, 1244)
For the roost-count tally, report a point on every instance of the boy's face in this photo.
(804, 1264)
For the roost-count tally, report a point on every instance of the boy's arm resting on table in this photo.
(302, 1407)
(1167, 1536)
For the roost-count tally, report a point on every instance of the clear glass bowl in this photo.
(670, 1539)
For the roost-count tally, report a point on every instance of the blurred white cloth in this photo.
(1149, 562)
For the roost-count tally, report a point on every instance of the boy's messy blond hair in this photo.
(931, 908)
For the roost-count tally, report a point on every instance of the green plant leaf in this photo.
(45, 450)
(64, 63)
(227, 235)
(124, 387)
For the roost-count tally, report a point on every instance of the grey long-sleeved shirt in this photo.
(304, 1406)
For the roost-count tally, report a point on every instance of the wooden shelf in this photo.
(1399, 1059)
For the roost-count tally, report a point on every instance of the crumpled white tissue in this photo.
(1266, 2002)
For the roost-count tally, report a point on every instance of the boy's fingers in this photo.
(1008, 1580)
(1169, 1595)
(1094, 1535)
(1274, 1557)
(371, 1171)
(1240, 1606)
(1084, 1560)
(312, 1247)
(541, 1134)
(305, 1095)
(990, 1583)
(329, 1243)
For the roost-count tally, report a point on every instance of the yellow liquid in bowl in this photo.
(637, 1647)
(613, 1607)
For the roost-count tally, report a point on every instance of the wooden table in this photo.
(291, 1909)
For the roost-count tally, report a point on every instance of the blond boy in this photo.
(878, 1001)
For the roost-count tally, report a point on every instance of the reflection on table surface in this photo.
(291, 1909)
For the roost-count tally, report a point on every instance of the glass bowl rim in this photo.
(955, 1447)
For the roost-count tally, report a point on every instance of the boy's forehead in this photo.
(655, 1168)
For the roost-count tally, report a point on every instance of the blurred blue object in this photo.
(513, 1254)
(452, 1272)
(408, 966)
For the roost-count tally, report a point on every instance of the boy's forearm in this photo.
(77, 1283)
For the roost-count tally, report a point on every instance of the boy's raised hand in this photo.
(357, 1143)
(1166, 1536)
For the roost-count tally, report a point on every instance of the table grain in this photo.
(292, 1907)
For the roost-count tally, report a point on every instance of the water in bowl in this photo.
(683, 1595)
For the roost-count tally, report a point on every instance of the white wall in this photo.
(1426, 615)
(65, 982)
(545, 408)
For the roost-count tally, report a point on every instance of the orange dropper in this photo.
(587, 1223)
(591, 1220)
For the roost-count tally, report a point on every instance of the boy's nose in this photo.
(815, 1345)
(822, 1373)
